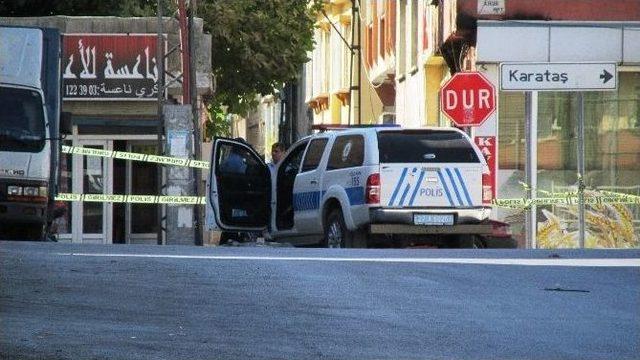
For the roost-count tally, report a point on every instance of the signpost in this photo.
(558, 76)
(468, 99)
(534, 77)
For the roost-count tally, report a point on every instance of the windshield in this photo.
(425, 147)
(21, 120)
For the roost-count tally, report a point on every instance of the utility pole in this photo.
(178, 129)
(160, 125)
(197, 136)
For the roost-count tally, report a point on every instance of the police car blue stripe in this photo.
(404, 194)
(415, 191)
(306, 201)
(406, 190)
(395, 191)
(464, 186)
(446, 188)
(455, 186)
(355, 195)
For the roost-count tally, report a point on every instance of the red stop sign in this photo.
(468, 99)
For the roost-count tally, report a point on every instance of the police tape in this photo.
(164, 160)
(572, 198)
(135, 199)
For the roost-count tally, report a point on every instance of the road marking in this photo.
(625, 262)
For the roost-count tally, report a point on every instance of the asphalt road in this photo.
(62, 301)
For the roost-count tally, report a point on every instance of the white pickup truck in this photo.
(356, 187)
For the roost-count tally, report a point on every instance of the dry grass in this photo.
(606, 226)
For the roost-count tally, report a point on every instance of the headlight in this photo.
(30, 191)
(14, 190)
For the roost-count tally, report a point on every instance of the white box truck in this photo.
(30, 104)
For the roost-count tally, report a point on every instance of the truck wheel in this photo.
(336, 234)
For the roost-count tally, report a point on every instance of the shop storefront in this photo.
(611, 130)
(110, 74)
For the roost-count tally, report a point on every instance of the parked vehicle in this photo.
(356, 187)
(30, 102)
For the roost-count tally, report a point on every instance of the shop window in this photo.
(612, 163)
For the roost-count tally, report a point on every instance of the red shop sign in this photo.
(109, 67)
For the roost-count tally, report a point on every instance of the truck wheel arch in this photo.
(336, 199)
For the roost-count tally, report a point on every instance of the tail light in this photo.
(487, 191)
(372, 191)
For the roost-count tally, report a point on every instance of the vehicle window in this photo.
(234, 159)
(21, 120)
(425, 146)
(314, 154)
(347, 151)
(291, 164)
(243, 186)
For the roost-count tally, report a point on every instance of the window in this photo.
(336, 70)
(425, 147)
(314, 154)
(308, 76)
(233, 159)
(413, 42)
(326, 59)
(346, 58)
(402, 42)
(316, 68)
(21, 120)
(347, 151)
(383, 36)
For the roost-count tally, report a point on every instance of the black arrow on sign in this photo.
(606, 76)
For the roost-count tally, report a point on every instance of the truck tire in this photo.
(336, 234)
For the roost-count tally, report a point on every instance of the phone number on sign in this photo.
(81, 90)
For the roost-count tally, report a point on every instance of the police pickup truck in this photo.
(356, 187)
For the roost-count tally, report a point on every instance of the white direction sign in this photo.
(558, 76)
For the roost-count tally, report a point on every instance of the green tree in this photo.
(257, 45)
(77, 7)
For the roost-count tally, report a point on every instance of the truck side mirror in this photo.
(65, 123)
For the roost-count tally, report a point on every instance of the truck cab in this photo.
(29, 129)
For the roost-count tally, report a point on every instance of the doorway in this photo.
(135, 223)
(93, 175)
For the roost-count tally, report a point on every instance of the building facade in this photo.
(411, 48)
(110, 89)
(578, 33)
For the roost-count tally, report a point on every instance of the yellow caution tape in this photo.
(165, 160)
(136, 199)
(569, 199)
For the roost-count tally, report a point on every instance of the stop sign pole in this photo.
(468, 99)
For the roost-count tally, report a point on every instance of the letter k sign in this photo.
(483, 141)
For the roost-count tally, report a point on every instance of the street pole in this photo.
(581, 169)
(531, 176)
(197, 138)
(357, 5)
(160, 127)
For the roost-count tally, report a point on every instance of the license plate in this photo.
(433, 219)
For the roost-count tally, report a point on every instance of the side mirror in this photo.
(65, 123)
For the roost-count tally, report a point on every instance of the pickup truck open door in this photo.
(240, 187)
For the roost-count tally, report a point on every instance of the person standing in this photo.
(277, 152)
